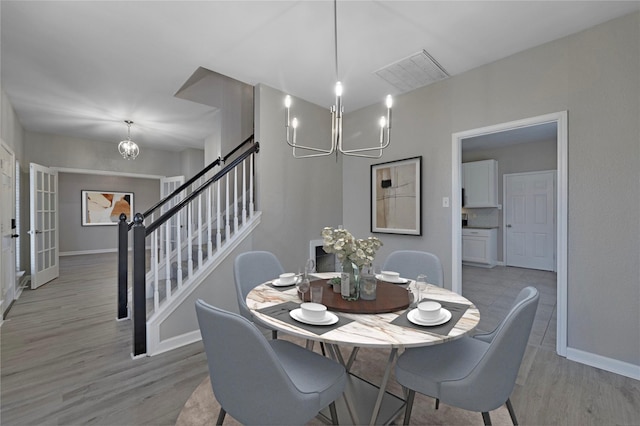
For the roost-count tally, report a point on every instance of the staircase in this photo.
(203, 221)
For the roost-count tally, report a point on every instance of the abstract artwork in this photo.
(395, 197)
(104, 208)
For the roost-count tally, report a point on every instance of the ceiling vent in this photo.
(417, 70)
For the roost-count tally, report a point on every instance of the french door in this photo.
(44, 224)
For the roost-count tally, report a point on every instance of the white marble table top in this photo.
(366, 330)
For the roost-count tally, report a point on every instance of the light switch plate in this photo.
(445, 201)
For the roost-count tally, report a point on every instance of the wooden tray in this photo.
(389, 298)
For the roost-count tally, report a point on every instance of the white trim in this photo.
(80, 252)
(96, 251)
(127, 318)
(176, 342)
(10, 291)
(562, 183)
(562, 208)
(609, 364)
(106, 173)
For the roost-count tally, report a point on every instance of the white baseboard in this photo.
(176, 342)
(79, 252)
(608, 364)
(98, 251)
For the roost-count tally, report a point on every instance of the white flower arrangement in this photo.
(347, 247)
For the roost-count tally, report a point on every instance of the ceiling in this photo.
(80, 68)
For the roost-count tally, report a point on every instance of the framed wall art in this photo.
(104, 208)
(396, 202)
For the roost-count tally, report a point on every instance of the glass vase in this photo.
(350, 281)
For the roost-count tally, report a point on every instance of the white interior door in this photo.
(529, 217)
(44, 224)
(7, 212)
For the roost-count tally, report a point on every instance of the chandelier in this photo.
(128, 148)
(337, 111)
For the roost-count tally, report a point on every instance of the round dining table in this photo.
(371, 327)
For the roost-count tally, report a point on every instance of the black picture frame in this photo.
(396, 197)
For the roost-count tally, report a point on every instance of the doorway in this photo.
(560, 118)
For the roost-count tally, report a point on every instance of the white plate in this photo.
(277, 283)
(329, 318)
(414, 317)
(398, 281)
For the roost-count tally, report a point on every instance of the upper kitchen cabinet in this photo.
(480, 183)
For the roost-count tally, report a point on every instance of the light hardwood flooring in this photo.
(66, 360)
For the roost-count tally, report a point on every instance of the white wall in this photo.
(595, 75)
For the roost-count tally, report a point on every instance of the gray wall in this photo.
(297, 197)
(62, 151)
(86, 155)
(11, 130)
(521, 158)
(595, 76)
(76, 238)
(192, 161)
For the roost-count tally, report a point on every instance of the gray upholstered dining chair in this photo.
(473, 373)
(265, 382)
(251, 269)
(411, 263)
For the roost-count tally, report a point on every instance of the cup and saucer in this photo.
(284, 280)
(314, 314)
(429, 313)
(391, 277)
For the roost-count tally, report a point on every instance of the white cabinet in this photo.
(480, 246)
(480, 183)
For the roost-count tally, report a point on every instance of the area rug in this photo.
(202, 408)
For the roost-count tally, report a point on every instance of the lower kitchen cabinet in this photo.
(480, 247)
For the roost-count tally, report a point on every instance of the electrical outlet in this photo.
(445, 201)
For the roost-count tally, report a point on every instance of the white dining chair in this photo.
(265, 382)
(473, 373)
(411, 263)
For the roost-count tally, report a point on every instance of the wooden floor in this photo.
(66, 360)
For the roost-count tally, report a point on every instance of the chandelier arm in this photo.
(309, 155)
(310, 148)
(350, 154)
(376, 148)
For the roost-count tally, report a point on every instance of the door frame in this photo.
(561, 120)
(504, 212)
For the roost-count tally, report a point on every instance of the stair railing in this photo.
(211, 210)
(124, 227)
